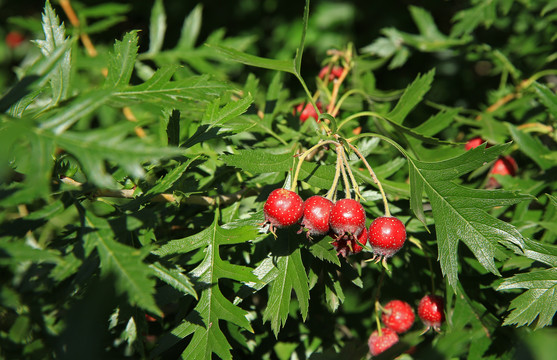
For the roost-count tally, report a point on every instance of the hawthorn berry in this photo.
(346, 245)
(308, 111)
(317, 210)
(398, 316)
(334, 73)
(14, 39)
(283, 208)
(387, 235)
(378, 344)
(348, 217)
(431, 311)
(505, 165)
(474, 143)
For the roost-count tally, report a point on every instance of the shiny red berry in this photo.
(398, 316)
(14, 39)
(317, 210)
(378, 344)
(283, 208)
(348, 217)
(474, 143)
(387, 235)
(431, 311)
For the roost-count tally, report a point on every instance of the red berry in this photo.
(474, 143)
(283, 208)
(308, 111)
(431, 311)
(377, 344)
(316, 215)
(387, 235)
(346, 244)
(398, 316)
(14, 39)
(503, 166)
(348, 217)
(335, 72)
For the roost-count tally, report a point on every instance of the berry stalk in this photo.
(302, 158)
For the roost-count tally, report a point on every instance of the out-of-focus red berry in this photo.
(474, 143)
(14, 39)
(334, 73)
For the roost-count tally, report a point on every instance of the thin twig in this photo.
(191, 200)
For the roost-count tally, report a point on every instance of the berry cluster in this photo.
(398, 317)
(344, 221)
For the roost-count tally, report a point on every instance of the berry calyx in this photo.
(505, 165)
(348, 217)
(334, 73)
(347, 245)
(387, 235)
(317, 210)
(283, 208)
(378, 344)
(474, 143)
(398, 316)
(431, 311)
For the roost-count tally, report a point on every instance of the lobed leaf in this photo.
(204, 320)
(539, 301)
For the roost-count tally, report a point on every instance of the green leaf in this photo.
(411, 97)
(122, 61)
(259, 161)
(18, 252)
(324, 250)
(531, 147)
(216, 116)
(191, 28)
(539, 301)
(300, 49)
(157, 27)
(547, 97)
(35, 77)
(253, 60)
(178, 94)
(55, 37)
(133, 276)
(175, 278)
(467, 20)
(291, 276)
(78, 108)
(213, 307)
(460, 213)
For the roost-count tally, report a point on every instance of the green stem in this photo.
(333, 189)
(340, 154)
(357, 115)
(351, 176)
(302, 158)
(374, 177)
